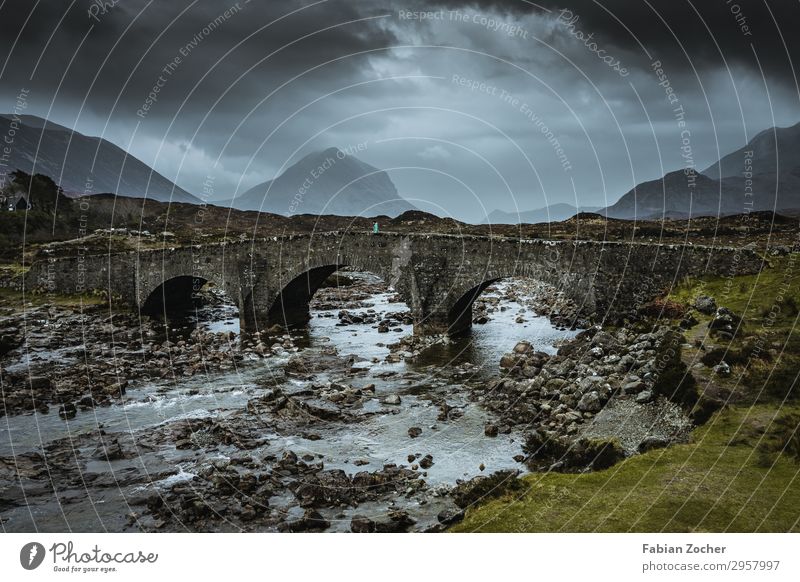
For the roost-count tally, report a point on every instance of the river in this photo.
(378, 437)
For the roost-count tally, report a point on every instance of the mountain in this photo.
(551, 213)
(69, 158)
(750, 181)
(325, 182)
(764, 160)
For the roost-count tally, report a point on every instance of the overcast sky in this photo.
(476, 106)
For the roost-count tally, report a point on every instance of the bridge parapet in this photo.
(438, 275)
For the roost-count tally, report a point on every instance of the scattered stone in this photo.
(590, 402)
(392, 400)
(722, 369)
(705, 304)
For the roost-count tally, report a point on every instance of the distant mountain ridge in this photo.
(71, 159)
(552, 213)
(330, 181)
(762, 175)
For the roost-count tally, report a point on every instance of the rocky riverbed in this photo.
(131, 424)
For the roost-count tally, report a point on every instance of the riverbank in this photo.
(736, 475)
(738, 472)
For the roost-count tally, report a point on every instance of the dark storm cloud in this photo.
(134, 30)
(232, 55)
(225, 79)
(752, 33)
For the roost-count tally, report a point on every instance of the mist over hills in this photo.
(763, 175)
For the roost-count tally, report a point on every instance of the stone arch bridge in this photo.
(438, 275)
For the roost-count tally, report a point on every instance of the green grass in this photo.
(752, 296)
(740, 472)
(766, 352)
(13, 299)
(730, 477)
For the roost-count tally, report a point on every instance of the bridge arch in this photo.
(460, 299)
(290, 305)
(177, 292)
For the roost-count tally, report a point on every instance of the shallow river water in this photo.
(459, 448)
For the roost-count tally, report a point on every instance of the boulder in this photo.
(705, 304)
(722, 369)
(312, 520)
(653, 442)
(321, 409)
(396, 522)
(450, 516)
(633, 387)
(484, 487)
(590, 402)
(523, 347)
(361, 524)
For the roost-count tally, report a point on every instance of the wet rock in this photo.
(325, 488)
(644, 396)
(391, 400)
(510, 361)
(491, 430)
(426, 462)
(312, 520)
(67, 411)
(523, 347)
(450, 516)
(414, 432)
(688, 321)
(396, 522)
(322, 409)
(361, 524)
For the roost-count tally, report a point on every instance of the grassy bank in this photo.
(13, 300)
(739, 473)
(741, 470)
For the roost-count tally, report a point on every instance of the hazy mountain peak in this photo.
(762, 175)
(329, 181)
(772, 151)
